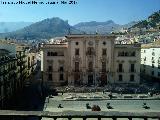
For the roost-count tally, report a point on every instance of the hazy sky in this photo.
(120, 11)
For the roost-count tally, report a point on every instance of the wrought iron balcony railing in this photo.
(132, 70)
(120, 70)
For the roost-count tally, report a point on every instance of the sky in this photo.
(120, 11)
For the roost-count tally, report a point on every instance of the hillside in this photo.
(152, 21)
(44, 29)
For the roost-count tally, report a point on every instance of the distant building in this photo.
(90, 60)
(31, 61)
(150, 62)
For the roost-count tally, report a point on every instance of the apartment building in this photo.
(54, 63)
(8, 81)
(150, 62)
(13, 70)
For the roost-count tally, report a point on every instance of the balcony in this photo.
(76, 71)
(132, 70)
(90, 53)
(120, 70)
(90, 70)
(114, 115)
(103, 71)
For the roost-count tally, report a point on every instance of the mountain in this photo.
(152, 21)
(101, 27)
(56, 27)
(44, 29)
(12, 26)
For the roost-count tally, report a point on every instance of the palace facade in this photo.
(90, 60)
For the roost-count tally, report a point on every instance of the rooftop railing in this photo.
(114, 115)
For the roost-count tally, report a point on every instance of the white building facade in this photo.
(150, 62)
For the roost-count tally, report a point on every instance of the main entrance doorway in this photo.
(90, 79)
(77, 79)
(103, 80)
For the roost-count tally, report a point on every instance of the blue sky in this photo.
(120, 11)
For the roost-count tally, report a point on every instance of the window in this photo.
(48, 54)
(144, 70)
(158, 74)
(103, 66)
(120, 68)
(90, 51)
(126, 54)
(61, 69)
(119, 53)
(133, 53)
(76, 66)
(153, 53)
(90, 66)
(158, 66)
(152, 58)
(29, 62)
(104, 52)
(50, 68)
(61, 77)
(158, 61)
(49, 77)
(131, 78)
(132, 68)
(152, 65)
(60, 53)
(122, 54)
(76, 51)
(120, 78)
(144, 51)
(104, 43)
(53, 53)
(77, 43)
